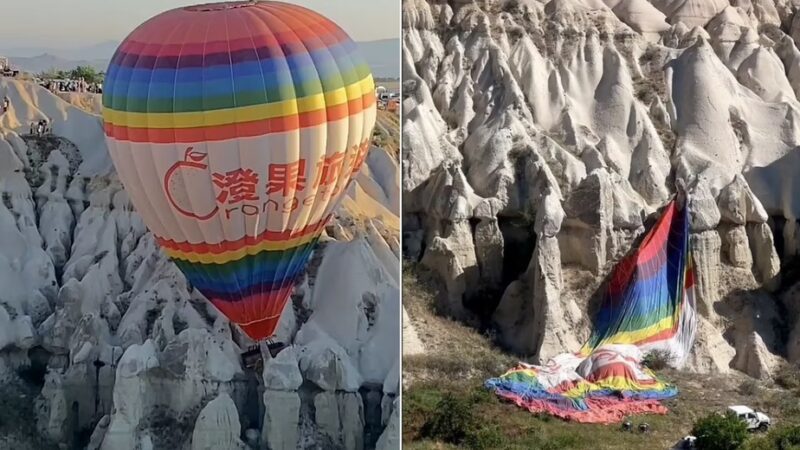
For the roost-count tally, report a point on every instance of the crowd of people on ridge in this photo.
(69, 85)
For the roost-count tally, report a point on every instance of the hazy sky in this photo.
(67, 24)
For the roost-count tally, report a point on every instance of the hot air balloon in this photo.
(236, 128)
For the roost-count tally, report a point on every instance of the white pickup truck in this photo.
(754, 420)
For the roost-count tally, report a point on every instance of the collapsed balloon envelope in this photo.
(235, 128)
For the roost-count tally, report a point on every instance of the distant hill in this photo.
(102, 50)
(383, 57)
(41, 63)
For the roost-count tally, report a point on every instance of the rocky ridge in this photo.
(541, 138)
(124, 354)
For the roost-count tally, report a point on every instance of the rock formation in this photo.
(542, 138)
(131, 356)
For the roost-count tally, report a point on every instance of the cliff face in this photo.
(540, 138)
(130, 356)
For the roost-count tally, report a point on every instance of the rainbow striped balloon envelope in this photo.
(649, 306)
(235, 128)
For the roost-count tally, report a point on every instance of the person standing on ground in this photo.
(6, 104)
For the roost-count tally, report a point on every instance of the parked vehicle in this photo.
(754, 420)
(687, 443)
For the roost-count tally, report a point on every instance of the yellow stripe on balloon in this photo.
(242, 114)
(224, 257)
(633, 337)
(616, 383)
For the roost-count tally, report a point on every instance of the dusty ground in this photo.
(459, 359)
(387, 131)
(87, 101)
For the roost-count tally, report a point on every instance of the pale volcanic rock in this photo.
(573, 123)
(132, 351)
(218, 426)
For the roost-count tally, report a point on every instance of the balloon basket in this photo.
(252, 359)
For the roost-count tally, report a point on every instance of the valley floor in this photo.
(458, 359)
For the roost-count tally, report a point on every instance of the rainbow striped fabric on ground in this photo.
(235, 128)
(649, 305)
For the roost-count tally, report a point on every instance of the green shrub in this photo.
(485, 438)
(782, 438)
(788, 377)
(718, 432)
(452, 420)
(786, 438)
(657, 359)
(758, 443)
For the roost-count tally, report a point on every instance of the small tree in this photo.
(657, 359)
(88, 73)
(52, 74)
(718, 432)
(452, 420)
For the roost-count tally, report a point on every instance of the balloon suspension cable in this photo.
(263, 345)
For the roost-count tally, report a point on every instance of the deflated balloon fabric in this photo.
(649, 305)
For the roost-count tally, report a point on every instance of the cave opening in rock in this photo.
(519, 241)
(81, 435)
(789, 263)
(34, 373)
(371, 396)
(252, 411)
(777, 224)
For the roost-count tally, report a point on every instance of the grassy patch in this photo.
(785, 437)
(453, 421)
(453, 350)
(519, 429)
(788, 377)
(458, 360)
(491, 418)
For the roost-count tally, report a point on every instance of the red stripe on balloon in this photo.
(214, 31)
(689, 283)
(660, 336)
(648, 259)
(600, 409)
(228, 246)
(294, 42)
(267, 306)
(658, 238)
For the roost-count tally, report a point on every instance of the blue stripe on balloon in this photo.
(301, 63)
